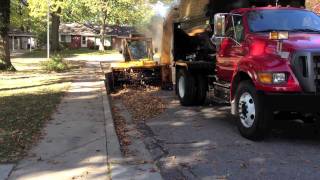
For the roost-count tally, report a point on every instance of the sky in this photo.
(161, 9)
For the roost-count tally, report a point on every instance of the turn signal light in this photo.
(265, 78)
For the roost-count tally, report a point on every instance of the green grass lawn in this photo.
(69, 53)
(27, 100)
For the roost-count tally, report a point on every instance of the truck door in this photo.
(231, 49)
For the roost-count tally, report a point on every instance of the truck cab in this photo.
(269, 57)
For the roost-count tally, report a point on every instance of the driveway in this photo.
(204, 143)
(116, 57)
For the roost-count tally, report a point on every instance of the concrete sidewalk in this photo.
(74, 145)
(80, 141)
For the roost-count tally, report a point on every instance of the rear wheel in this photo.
(201, 89)
(186, 88)
(253, 115)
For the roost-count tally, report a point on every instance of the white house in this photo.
(75, 35)
(21, 40)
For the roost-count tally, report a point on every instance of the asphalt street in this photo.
(204, 143)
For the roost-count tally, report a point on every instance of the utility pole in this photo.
(48, 31)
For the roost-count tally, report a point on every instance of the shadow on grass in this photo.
(22, 117)
(67, 53)
(53, 82)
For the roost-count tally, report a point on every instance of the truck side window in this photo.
(235, 31)
(239, 29)
(229, 27)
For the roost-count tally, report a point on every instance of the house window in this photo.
(84, 40)
(63, 38)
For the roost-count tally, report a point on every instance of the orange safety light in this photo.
(279, 35)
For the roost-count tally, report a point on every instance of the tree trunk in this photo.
(55, 18)
(102, 36)
(5, 61)
(5, 53)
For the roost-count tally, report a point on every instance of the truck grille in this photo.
(316, 60)
(306, 67)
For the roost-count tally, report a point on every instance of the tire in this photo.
(254, 116)
(201, 89)
(186, 88)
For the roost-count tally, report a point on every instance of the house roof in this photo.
(19, 33)
(94, 30)
(76, 29)
(115, 30)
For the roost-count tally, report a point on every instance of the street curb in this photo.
(113, 145)
(5, 170)
(114, 156)
(120, 167)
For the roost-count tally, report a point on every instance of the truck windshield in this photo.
(283, 20)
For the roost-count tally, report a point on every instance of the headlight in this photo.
(279, 78)
(272, 78)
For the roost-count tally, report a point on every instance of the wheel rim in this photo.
(247, 110)
(181, 86)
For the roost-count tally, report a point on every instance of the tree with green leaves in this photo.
(5, 61)
(39, 9)
(100, 12)
(19, 15)
(119, 12)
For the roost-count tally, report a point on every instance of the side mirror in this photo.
(219, 25)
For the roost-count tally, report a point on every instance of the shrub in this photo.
(55, 64)
(64, 45)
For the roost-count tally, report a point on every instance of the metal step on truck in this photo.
(261, 56)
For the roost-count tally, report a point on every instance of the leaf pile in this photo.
(121, 130)
(142, 103)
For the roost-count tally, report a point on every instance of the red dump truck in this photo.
(262, 57)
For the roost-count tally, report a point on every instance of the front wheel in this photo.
(253, 115)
